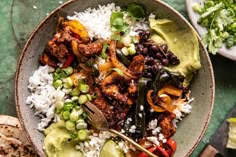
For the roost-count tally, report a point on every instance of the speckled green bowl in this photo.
(190, 130)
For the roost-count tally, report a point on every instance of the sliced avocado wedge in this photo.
(111, 149)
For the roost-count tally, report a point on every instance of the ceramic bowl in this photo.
(189, 131)
(224, 51)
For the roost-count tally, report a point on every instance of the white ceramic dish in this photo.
(228, 53)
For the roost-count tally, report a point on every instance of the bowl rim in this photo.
(52, 13)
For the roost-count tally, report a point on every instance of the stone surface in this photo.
(20, 17)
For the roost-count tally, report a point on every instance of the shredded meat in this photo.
(114, 113)
(90, 49)
(168, 128)
(119, 87)
(104, 106)
(45, 59)
(137, 64)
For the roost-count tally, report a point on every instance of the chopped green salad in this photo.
(219, 18)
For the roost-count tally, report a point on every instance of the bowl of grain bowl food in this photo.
(139, 62)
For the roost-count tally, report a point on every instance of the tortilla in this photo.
(12, 140)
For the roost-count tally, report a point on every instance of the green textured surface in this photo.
(19, 18)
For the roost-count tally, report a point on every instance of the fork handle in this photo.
(132, 142)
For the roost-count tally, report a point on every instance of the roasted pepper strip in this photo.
(116, 63)
(139, 109)
(165, 102)
(160, 151)
(170, 90)
(68, 61)
(172, 145)
(122, 58)
(77, 28)
(150, 102)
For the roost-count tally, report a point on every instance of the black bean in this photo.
(170, 54)
(145, 50)
(140, 46)
(159, 55)
(164, 47)
(147, 32)
(155, 68)
(165, 61)
(174, 60)
(149, 75)
(154, 48)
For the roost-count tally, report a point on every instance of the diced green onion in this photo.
(82, 99)
(126, 40)
(80, 121)
(84, 88)
(74, 116)
(104, 48)
(68, 83)
(70, 125)
(83, 116)
(68, 106)
(68, 70)
(59, 105)
(74, 135)
(81, 126)
(131, 49)
(124, 50)
(75, 91)
(135, 39)
(82, 134)
(74, 98)
(119, 71)
(67, 91)
(89, 97)
(66, 115)
(197, 8)
(58, 84)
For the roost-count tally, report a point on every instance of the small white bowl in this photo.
(228, 53)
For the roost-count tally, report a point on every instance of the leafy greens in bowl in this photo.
(215, 22)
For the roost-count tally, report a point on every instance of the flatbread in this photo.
(13, 142)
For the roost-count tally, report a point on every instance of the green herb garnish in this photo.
(117, 22)
(119, 71)
(219, 18)
(104, 48)
(135, 10)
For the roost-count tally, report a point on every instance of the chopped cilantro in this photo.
(219, 18)
(136, 10)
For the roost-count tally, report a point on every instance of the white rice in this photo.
(97, 21)
(93, 147)
(43, 95)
